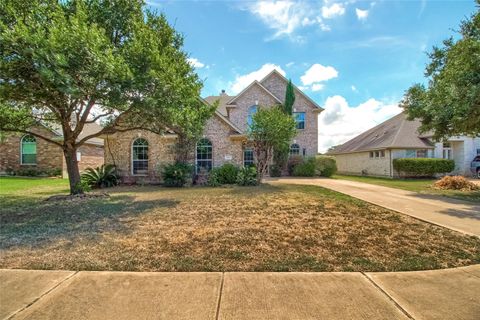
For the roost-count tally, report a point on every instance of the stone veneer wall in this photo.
(161, 151)
(91, 156)
(307, 138)
(225, 150)
(354, 163)
(239, 114)
(49, 156)
(118, 151)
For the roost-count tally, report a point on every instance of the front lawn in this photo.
(267, 228)
(416, 185)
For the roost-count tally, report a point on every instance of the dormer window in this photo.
(251, 111)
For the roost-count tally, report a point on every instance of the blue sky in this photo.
(355, 58)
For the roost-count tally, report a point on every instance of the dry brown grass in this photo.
(267, 228)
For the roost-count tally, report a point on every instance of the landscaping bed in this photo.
(264, 228)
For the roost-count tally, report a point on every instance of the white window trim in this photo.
(21, 151)
(196, 163)
(304, 120)
(131, 158)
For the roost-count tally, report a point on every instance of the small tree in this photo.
(271, 128)
(73, 62)
(280, 154)
(450, 104)
(289, 98)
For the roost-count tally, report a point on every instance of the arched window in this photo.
(294, 149)
(204, 155)
(251, 111)
(140, 157)
(29, 150)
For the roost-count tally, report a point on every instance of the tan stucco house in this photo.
(25, 151)
(372, 152)
(138, 155)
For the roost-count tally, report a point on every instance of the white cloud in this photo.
(196, 63)
(288, 65)
(354, 89)
(242, 81)
(318, 73)
(335, 10)
(341, 122)
(317, 86)
(285, 17)
(362, 15)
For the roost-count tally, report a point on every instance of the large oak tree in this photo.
(73, 62)
(450, 103)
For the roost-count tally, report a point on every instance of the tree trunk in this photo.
(70, 153)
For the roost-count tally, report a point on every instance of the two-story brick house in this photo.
(138, 155)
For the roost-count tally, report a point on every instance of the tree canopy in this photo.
(450, 103)
(271, 129)
(69, 63)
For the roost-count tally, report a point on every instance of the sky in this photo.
(354, 58)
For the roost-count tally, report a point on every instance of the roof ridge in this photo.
(251, 84)
(402, 124)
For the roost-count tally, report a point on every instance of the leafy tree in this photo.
(289, 98)
(450, 104)
(73, 62)
(271, 128)
(281, 153)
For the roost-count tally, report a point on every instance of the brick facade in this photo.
(227, 143)
(49, 156)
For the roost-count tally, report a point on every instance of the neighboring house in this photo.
(24, 151)
(138, 155)
(372, 152)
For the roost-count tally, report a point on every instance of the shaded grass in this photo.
(416, 185)
(266, 228)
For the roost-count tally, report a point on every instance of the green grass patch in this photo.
(416, 185)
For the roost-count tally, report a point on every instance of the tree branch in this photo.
(36, 135)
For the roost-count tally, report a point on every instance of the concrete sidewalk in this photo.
(441, 294)
(454, 214)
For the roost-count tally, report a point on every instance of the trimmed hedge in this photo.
(325, 166)
(226, 174)
(422, 167)
(305, 168)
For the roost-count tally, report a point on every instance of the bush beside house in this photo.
(322, 166)
(422, 167)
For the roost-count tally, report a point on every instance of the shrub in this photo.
(275, 171)
(325, 166)
(28, 172)
(247, 176)
(305, 169)
(177, 174)
(55, 172)
(293, 161)
(83, 186)
(227, 173)
(9, 172)
(214, 178)
(101, 177)
(422, 167)
(455, 183)
(201, 178)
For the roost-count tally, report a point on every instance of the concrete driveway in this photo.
(442, 294)
(457, 215)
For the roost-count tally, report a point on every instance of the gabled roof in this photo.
(397, 132)
(222, 102)
(88, 129)
(274, 71)
(220, 115)
(248, 87)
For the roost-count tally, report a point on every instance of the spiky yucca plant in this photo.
(101, 177)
